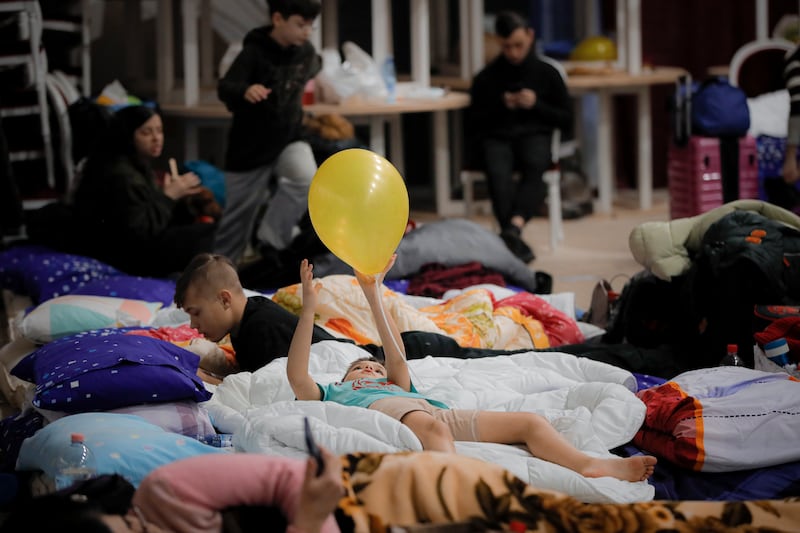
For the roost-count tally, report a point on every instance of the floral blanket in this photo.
(474, 318)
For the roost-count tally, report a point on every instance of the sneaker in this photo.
(511, 237)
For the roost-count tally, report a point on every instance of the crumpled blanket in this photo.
(723, 419)
(473, 318)
(409, 488)
(435, 279)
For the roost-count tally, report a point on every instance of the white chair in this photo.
(767, 54)
(551, 177)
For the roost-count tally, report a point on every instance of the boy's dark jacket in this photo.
(259, 132)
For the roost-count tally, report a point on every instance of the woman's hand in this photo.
(177, 187)
(319, 495)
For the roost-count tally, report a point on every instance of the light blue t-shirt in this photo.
(363, 392)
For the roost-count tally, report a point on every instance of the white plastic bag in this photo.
(358, 77)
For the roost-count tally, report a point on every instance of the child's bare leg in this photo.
(545, 442)
(433, 434)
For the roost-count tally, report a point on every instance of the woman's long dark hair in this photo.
(116, 141)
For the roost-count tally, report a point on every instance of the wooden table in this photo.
(376, 114)
(606, 86)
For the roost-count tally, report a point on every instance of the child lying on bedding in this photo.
(387, 388)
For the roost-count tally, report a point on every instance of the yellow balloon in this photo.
(358, 205)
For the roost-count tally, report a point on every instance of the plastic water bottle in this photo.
(75, 464)
(732, 357)
(390, 79)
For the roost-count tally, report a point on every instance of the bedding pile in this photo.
(723, 419)
(474, 318)
(591, 403)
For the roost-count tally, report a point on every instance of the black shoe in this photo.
(544, 283)
(511, 237)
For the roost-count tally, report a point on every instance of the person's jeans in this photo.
(531, 156)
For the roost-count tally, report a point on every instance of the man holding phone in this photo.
(517, 101)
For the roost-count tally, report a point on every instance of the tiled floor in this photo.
(595, 246)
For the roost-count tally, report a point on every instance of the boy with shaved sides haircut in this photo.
(209, 290)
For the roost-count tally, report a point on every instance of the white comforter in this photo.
(591, 403)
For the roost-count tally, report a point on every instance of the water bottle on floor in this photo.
(77, 463)
(732, 357)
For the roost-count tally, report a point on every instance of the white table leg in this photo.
(605, 184)
(381, 30)
(191, 52)
(420, 43)
(644, 135)
(445, 206)
(396, 143)
(377, 140)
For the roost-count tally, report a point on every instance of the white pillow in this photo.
(66, 315)
(769, 113)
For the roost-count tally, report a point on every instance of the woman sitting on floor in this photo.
(124, 217)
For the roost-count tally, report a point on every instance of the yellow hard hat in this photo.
(595, 48)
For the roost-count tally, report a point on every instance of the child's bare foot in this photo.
(636, 468)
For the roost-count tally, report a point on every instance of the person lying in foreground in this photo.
(387, 387)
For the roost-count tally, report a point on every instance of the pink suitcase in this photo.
(695, 178)
(694, 173)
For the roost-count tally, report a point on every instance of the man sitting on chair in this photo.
(517, 101)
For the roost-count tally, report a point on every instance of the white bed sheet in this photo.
(591, 403)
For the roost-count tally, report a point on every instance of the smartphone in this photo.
(515, 87)
(313, 449)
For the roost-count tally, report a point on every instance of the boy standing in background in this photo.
(263, 88)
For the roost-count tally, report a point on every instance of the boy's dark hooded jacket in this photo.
(260, 131)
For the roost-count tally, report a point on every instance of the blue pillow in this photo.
(121, 444)
(107, 369)
(131, 288)
(42, 273)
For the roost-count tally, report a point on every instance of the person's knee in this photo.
(532, 423)
(427, 428)
(296, 163)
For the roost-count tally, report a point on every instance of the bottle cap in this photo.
(77, 437)
(733, 348)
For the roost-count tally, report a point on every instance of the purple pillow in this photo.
(131, 288)
(42, 273)
(99, 371)
(24, 369)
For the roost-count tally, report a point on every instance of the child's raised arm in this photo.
(393, 348)
(303, 386)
